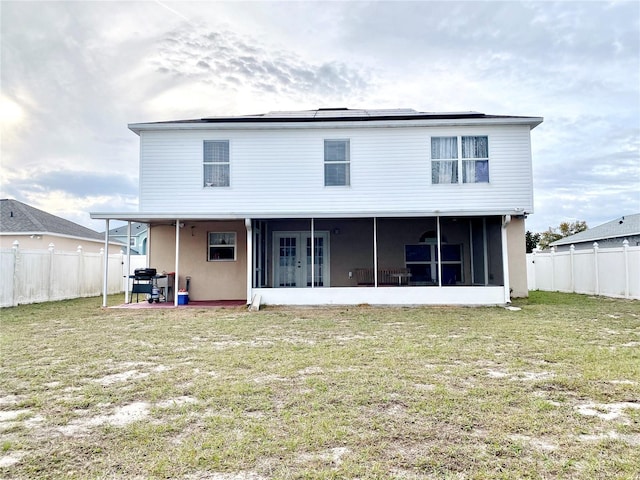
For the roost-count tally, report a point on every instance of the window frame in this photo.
(346, 162)
(460, 173)
(206, 163)
(233, 246)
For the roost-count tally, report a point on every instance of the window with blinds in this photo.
(216, 163)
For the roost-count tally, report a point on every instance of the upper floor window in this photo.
(475, 160)
(469, 154)
(336, 163)
(444, 159)
(216, 163)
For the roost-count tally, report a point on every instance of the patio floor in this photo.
(191, 304)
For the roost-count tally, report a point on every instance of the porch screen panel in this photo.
(318, 261)
(451, 264)
(478, 249)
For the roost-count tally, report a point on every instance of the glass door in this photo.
(292, 255)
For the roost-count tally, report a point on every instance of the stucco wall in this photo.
(220, 280)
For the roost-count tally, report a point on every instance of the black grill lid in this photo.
(145, 272)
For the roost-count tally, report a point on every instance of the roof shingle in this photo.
(620, 227)
(18, 217)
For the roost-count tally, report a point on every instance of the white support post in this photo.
(505, 259)
(105, 278)
(177, 267)
(534, 286)
(127, 267)
(313, 254)
(625, 249)
(375, 252)
(595, 259)
(247, 224)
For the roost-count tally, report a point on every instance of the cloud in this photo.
(223, 60)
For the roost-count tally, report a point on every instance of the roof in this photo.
(342, 115)
(18, 217)
(620, 227)
(136, 229)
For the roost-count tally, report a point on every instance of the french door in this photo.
(292, 255)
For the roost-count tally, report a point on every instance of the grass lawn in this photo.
(550, 391)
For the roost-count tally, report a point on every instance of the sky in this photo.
(75, 74)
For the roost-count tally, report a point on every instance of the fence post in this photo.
(80, 270)
(535, 273)
(51, 276)
(595, 259)
(625, 249)
(16, 258)
(553, 269)
(572, 250)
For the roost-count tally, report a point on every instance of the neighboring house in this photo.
(607, 235)
(36, 229)
(137, 239)
(404, 207)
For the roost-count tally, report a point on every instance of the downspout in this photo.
(105, 277)
(505, 258)
(177, 268)
(248, 226)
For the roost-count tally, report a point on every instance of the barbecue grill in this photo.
(155, 287)
(144, 282)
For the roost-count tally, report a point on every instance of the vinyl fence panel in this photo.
(612, 272)
(32, 276)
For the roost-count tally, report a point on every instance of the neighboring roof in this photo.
(17, 217)
(136, 229)
(343, 115)
(620, 227)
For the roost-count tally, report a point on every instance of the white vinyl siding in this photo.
(280, 171)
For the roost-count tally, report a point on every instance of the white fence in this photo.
(612, 272)
(32, 276)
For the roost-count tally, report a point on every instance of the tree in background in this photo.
(532, 240)
(564, 230)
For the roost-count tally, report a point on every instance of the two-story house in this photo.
(403, 207)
